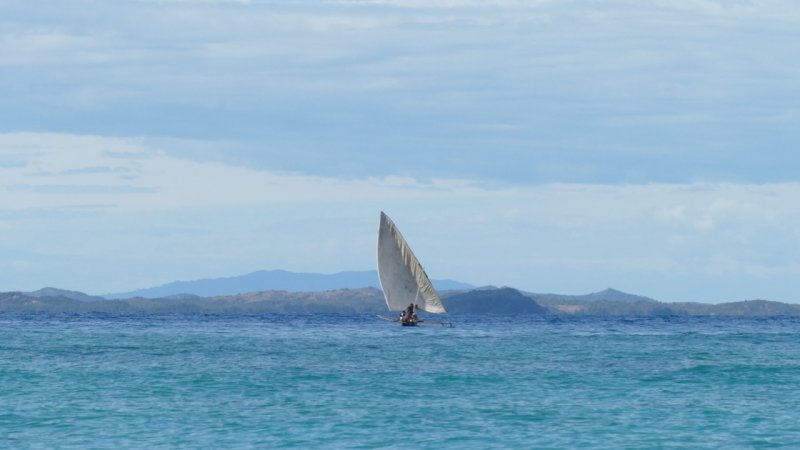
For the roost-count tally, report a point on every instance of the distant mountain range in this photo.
(72, 295)
(279, 280)
(487, 300)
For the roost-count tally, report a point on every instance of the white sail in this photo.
(402, 277)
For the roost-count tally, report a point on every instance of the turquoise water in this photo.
(279, 381)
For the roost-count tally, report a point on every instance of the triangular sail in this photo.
(402, 277)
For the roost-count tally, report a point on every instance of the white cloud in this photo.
(441, 77)
(68, 170)
(52, 170)
(58, 47)
(554, 237)
(430, 95)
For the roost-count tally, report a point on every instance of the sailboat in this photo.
(405, 284)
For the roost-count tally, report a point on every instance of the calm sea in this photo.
(328, 381)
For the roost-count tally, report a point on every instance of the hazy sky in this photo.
(552, 146)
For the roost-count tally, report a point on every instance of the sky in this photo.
(550, 146)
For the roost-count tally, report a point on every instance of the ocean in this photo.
(334, 381)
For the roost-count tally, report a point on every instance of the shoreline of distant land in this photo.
(485, 300)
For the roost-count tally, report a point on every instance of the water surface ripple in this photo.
(329, 381)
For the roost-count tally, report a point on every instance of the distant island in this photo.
(487, 300)
(273, 280)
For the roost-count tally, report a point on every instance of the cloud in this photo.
(617, 137)
(532, 92)
(32, 46)
(649, 229)
(69, 170)
(142, 176)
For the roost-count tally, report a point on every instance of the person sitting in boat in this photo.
(409, 315)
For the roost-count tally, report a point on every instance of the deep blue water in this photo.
(327, 381)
